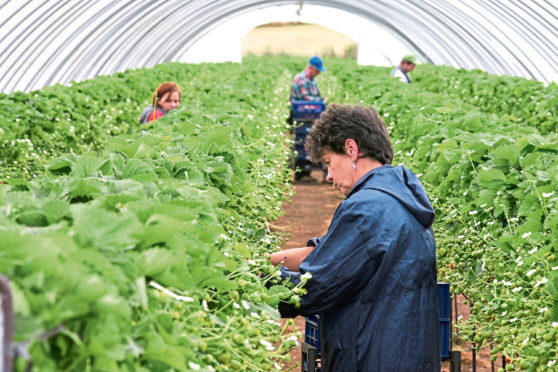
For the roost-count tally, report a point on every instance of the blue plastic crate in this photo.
(307, 110)
(444, 300)
(312, 332)
(445, 308)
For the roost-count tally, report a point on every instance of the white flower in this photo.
(554, 268)
(541, 282)
(555, 324)
(460, 236)
(236, 305)
(255, 315)
(292, 338)
(543, 309)
(506, 283)
(194, 366)
(551, 363)
(514, 219)
(267, 345)
(525, 341)
(504, 313)
(547, 194)
(306, 276)
(471, 213)
(460, 318)
(517, 289)
(531, 272)
(533, 250)
(513, 320)
(526, 235)
(204, 304)
(245, 304)
(223, 236)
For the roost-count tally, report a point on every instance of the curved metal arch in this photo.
(117, 35)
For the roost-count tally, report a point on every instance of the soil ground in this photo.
(308, 215)
(297, 40)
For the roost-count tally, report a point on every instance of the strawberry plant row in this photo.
(494, 182)
(147, 255)
(522, 100)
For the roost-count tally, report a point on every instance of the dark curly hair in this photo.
(341, 122)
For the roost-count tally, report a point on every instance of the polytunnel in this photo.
(44, 42)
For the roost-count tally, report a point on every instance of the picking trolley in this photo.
(311, 354)
(303, 114)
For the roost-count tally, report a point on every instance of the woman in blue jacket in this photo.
(373, 274)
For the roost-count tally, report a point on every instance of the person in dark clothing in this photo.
(165, 99)
(373, 274)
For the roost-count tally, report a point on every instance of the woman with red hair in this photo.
(165, 98)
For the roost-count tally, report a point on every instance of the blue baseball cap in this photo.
(317, 63)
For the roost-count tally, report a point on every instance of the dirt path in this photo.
(308, 215)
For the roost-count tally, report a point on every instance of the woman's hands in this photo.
(290, 258)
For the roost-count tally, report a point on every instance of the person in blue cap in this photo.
(407, 64)
(305, 86)
(372, 277)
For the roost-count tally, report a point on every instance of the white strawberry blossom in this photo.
(547, 194)
(517, 289)
(531, 272)
(533, 250)
(194, 366)
(306, 276)
(541, 282)
(526, 235)
(543, 309)
(267, 344)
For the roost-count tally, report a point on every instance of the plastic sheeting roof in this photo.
(45, 42)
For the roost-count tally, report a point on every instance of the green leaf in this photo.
(511, 153)
(87, 166)
(155, 260)
(61, 165)
(104, 230)
(158, 350)
(489, 176)
(135, 167)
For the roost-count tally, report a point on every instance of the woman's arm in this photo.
(291, 258)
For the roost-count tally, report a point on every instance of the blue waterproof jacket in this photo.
(374, 279)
